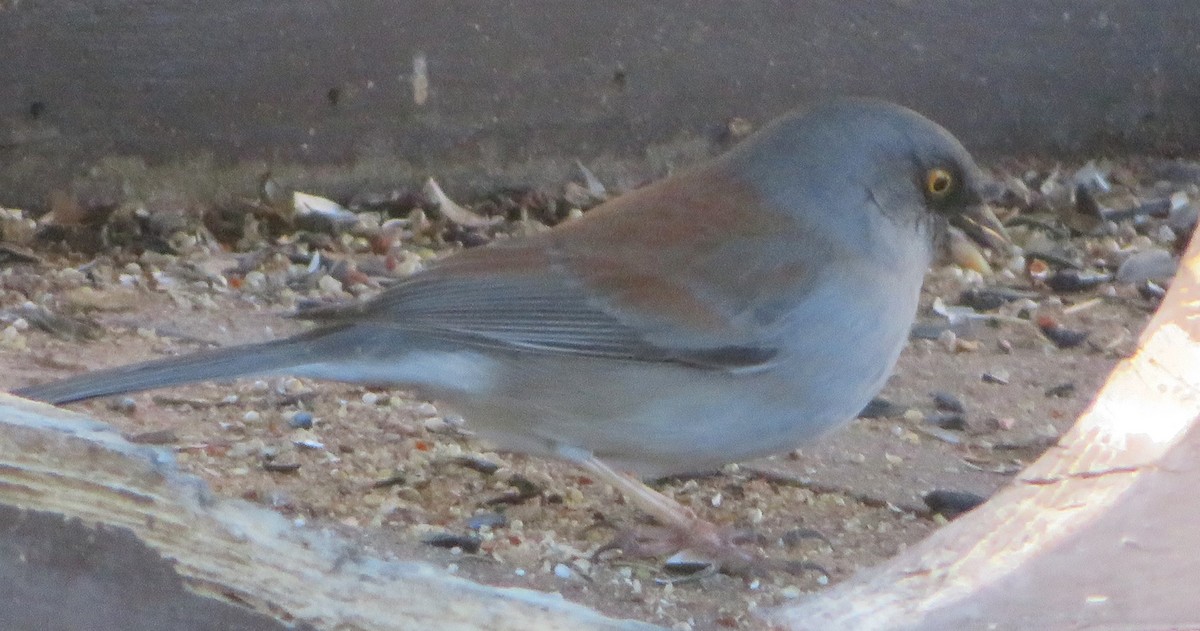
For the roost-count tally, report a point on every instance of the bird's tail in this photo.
(223, 363)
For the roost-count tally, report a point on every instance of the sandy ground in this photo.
(394, 474)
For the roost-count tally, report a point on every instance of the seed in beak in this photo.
(965, 253)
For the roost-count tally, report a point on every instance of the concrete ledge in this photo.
(376, 92)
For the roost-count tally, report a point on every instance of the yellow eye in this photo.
(938, 183)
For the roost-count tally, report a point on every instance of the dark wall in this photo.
(329, 83)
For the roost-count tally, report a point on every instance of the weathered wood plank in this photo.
(99, 533)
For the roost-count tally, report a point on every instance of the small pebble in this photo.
(123, 405)
(952, 503)
(491, 520)
(946, 436)
(278, 499)
(948, 420)
(424, 408)
(686, 562)
(281, 467)
(1061, 336)
(882, 408)
(1183, 214)
(562, 571)
(1151, 265)
(330, 285)
(254, 280)
(447, 540)
(998, 376)
(1150, 290)
(1025, 306)
(1061, 390)
(10, 337)
(302, 419)
(1004, 423)
(949, 340)
(477, 463)
(437, 425)
(291, 385)
(795, 536)
(154, 437)
(966, 346)
(1070, 280)
(252, 416)
(396, 478)
(947, 402)
(987, 298)
(791, 592)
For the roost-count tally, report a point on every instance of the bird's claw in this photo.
(714, 550)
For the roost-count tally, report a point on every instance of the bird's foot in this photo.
(702, 550)
(682, 529)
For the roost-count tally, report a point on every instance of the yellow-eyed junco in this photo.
(736, 309)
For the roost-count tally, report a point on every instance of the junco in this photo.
(730, 311)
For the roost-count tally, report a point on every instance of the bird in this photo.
(735, 309)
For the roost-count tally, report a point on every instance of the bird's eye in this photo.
(938, 183)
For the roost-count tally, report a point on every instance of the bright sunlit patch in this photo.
(1144, 406)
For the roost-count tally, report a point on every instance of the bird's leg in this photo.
(684, 529)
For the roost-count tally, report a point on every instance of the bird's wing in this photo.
(614, 284)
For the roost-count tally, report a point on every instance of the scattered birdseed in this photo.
(384, 471)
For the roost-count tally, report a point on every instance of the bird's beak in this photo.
(981, 224)
(978, 225)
